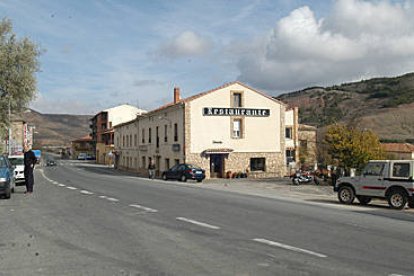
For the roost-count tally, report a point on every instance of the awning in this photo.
(218, 151)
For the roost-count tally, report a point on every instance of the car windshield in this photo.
(193, 167)
(3, 162)
(16, 161)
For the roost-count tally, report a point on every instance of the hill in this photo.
(384, 105)
(57, 130)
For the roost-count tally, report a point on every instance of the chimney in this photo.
(176, 94)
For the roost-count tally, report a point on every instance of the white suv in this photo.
(392, 180)
(18, 162)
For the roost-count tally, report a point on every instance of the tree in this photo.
(18, 65)
(352, 147)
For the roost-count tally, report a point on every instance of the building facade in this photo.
(82, 145)
(399, 151)
(102, 129)
(226, 131)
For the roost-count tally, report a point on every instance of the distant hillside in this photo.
(385, 105)
(57, 130)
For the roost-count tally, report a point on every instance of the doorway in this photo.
(216, 165)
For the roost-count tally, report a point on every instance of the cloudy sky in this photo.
(101, 53)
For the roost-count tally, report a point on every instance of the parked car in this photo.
(18, 162)
(50, 162)
(392, 180)
(7, 184)
(82, 156)
(183, 172)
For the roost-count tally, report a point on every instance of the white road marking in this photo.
(54, 182)
(71, 188)
(289, 247)
(147, 209)
(112, 199)
(103, 196)
(61, 185)
(202, 224)
(85, 192)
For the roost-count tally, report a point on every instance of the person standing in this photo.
(29, 164)
(151, 169)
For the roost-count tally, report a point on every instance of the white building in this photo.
(227, 130)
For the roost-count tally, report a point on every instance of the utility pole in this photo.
(9, 138)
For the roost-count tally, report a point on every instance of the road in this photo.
(83, 219)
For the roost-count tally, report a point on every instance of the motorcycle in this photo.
(299, 178)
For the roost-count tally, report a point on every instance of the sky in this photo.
(101, 53)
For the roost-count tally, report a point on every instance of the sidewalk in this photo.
(273, 186)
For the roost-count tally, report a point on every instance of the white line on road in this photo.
(202, 224)
(103, 196)
(288, 247)
(61, 185)
(112, 199)
(85, 192)
(71, 188)
(147, 209)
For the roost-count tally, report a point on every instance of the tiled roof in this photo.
(86, 138)
(398, 147)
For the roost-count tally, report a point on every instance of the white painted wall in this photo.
(261, 134)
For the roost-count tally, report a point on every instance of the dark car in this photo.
(183, 172)
(50, 162)
(7, 184)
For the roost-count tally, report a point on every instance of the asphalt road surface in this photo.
(83, 219)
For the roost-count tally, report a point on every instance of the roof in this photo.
(189, 99)
(398, 147)
(86, 138)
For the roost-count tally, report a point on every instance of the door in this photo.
(371, 182)
(216, 165)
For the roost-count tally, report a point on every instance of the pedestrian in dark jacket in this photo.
(151, 170)
(29, 164)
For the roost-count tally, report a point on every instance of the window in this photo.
(165, 134)
(123, 140)
(144, 165)
(143, 136)
(167, 163)
(237, 100)
(135, 140)
(177, 161)
(237, 128)
(157, 137)
(401, 170)
(257, 164)
(175, 132)
(374, 169)
(130, 140)
(127, 141)
(288, 133)
(149, 135)
(290, 156)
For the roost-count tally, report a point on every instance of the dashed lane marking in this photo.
(61, 185)
(103, 197)
(112, 199)
(202, 224)
(71, 188)
(147, 209)
(289, 247)
(85, 192)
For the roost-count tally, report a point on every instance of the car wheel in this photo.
(346, 195)
(183, 178)
(364, 200)
(411, 203)
(397, 199)
(199, 180)
(295, 181)
(12, 190)
(8, 194)
(164, 176)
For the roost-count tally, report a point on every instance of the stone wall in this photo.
(240, 162)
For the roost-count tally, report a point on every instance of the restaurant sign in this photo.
(223, 111)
